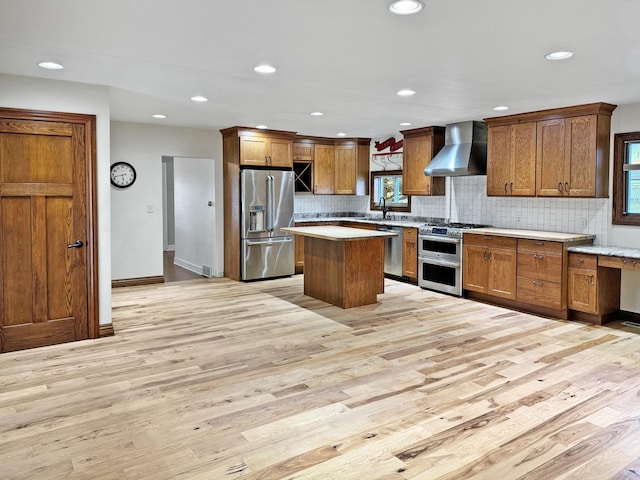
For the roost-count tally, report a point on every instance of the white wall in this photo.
(137, 236)
(51, 95)
(195, 219)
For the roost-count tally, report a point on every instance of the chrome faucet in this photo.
(383, 202)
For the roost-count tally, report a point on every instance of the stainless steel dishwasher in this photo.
(392, 251)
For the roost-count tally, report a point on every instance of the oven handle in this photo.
(437, 238)
(437, 261)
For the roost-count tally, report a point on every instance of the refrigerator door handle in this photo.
(270, 241)
(270, 201)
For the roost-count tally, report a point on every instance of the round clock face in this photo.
(122, 175)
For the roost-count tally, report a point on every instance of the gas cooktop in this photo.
(449, 229)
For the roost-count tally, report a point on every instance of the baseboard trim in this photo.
(106, 330)
(626, 316)
(132, 282)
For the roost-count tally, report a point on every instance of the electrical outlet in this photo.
(150, 208)
(583, 223)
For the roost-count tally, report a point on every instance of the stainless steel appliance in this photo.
(464, 151)
(266, 206)
(392, 251)
(440, 256)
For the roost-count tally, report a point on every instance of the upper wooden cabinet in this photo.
(511, 160)
(303, 151)
(259, 148)
(341, 167)
(571, 152)
(419, 146)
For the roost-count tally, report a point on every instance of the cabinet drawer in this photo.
(619, 262)
(580, 260)
(489, 240)
(411, 233)
(540, 266)
(538, 292)
(540, 246)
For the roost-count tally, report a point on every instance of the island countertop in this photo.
(336, 233)
(532, 234)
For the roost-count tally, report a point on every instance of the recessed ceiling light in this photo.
(199, 98)
(158, 115)
(316, 114)
(50, 65)
(558, 55)
(265, 69)
(405, 7)
(261, 127)
(501, 108)
(405, 124)
(406, 93)
(342, 134)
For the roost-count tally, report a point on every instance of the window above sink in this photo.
(387, 185)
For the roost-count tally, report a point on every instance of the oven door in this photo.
(440, 247)
(440, 275)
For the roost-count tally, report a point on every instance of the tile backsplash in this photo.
(466, 201)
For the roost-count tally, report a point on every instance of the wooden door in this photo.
(345, 169)
(523, 159)
(48, 284)
(417, 151)
(499, 160)
(502, 273)
(323, 169)
(280, 153)
(580, 156)
(550, 158)
(253, 151)
(410, 253)
(475, 268)
(582, 289)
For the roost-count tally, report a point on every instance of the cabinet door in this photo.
(475, 268)
(280, 153)
(582, 292)
(345, 169)
(303, 151)
(253, 151)
(416, 155)
(523, 159)
(323, 166)
(502, 273)
(498, 160)
(550, 158)
(580, 156)
(410, 253)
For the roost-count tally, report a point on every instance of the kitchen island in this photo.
(343, 266)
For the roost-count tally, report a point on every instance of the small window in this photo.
(387, 185)
(626, 179)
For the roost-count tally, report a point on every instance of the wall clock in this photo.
(122, 174)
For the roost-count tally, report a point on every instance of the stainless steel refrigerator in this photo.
(267, 206)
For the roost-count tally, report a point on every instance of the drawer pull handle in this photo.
(559, 187)
(581, 260)
(537, 282)
(538, 256)
(591, 279)
(505, 188)
(487, 237)
(627, 261)
(566, 187)
(540, 244)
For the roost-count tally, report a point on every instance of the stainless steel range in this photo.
(440, 256)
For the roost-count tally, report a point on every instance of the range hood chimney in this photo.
(464, 151)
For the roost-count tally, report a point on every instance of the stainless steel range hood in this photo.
(464, 152)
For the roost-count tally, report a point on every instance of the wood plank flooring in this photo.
(215, 379)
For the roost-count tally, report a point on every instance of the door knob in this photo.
(76, 244)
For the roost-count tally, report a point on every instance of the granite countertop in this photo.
(532, 234)
(606, 250)
(391, 221)
(336, 233)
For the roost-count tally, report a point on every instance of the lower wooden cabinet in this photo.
(592, 289)
(540, 273)
(299, 243)
(489, 265)
(410, 254)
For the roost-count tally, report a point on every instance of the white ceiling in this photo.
(345, 58)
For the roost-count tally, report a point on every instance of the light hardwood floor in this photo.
(215, 379)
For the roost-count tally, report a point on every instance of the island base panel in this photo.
(345, 274)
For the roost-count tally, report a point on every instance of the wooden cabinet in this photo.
(410, 254)
(303, 151)
(323, 169)
(571, 152)
(342, 167)
(420, 145)
(511, 160)
(592, 288)
(489, 265)
(540, 273)
(264, 151)
(299, 243)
